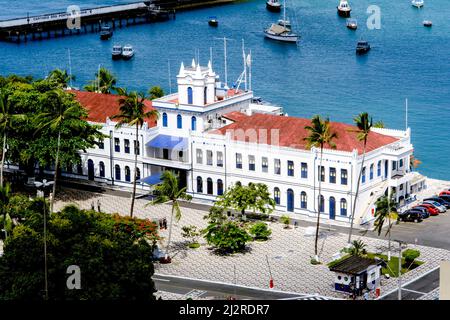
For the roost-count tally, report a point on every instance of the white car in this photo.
(437, 205)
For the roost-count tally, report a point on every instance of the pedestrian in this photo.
(366, 295)
(98, 205)
(165, 223)
(92, 206)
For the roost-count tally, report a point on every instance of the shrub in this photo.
(358, 248)
(260, 231)
(228, 237)
(410, 255)
(191, 233)
(285, 220)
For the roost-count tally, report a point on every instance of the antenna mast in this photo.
(225, 57)
(245, 65)
(406, 117)
(70, 69)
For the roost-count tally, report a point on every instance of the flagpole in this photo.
(406, 117)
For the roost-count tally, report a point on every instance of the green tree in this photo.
(255, 197)
(191, 233)
(364, 124)
(60, 78)
(169, 191)
(7, 121)
(155, 92)
(227, 237)
(358, 248)
(111, 251)
(260, 231)
(105, 82)
(320, 135)
(379, 124)
(133, 112)
(5, 195)
(386, 211)
(60, 111)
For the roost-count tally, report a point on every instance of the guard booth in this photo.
(356, 274)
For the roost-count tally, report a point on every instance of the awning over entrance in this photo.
(151, 180)
(168, 142)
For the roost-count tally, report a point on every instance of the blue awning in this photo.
(168, 142)
(151, 180)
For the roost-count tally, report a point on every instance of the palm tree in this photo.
(7, 118)
(155, 92)
(5, 194)
(358, 248)
(62, 111)
(364, 124)
(60, 77)
(379, 124)
(320, 134)
(133, 112)
(169, 190)
(386, 209)
(104, 82)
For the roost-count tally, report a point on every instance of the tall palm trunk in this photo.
(389, 219)
(318, 207)
(135, 171)
(356, 194)
(170, 230)
(3, 159)
(56, 172)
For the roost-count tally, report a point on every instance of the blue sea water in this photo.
(322, 75)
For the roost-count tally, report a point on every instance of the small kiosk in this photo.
(355, 274)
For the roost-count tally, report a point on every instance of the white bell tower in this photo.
(196, 84)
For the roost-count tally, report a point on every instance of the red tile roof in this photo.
(291, 132)
(101, 106)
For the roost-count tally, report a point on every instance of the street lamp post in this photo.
(41, 193)
(400, 244)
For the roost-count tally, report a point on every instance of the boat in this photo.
(106, 33)
(285, 23)
(117, 52)
(344, 9)
(281, 32)
(427, 23)
(273, 5)
(213, 22)
(352, 24)
(362, 47)
(127, 52)
(417, 3)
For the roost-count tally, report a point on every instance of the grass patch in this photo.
(194, 245)
(392, 266)
(333, 263)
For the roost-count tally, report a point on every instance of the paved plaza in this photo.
(288, 251)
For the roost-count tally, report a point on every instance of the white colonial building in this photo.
(213, 137)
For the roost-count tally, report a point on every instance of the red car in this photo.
(445, 192)
(430, 208)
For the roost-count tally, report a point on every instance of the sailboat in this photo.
(280, 31)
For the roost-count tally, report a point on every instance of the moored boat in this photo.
(117, 52)
(362, 47)
(285, 23)
(344, 9)
(106, 33)
(280, 33)
(427, 23)
(127, 52)
(213, 22)
(273, 5)
(352, 24)
(417, 3)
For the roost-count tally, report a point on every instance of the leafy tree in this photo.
(112, 253)
(5, 195)
(260, 231)
(320, 135)
(255, 197)
(379, 124)
(7, 122)
(364, 124)
(358, 248)
(105, 82)
(227, 237)
(155, 92)
(169, 191)
(133, 112)
(192, 233)
(60, 77)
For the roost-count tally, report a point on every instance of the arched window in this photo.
(117, 169)
(276, 195)
(193, 123)
(199, 185)
(127, 174)
(290, 200)
(189, 93)
(219, 187)
(209, 186)
(205, 95)
(303, 200)
(138, 174)
(164, 119)
(321, 203)
(379, 168)
(363, 180)
(101, 169)
(179, 122)
(343, 207)
(371, 172)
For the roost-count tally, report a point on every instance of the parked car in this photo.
(437, 205)
(410, 215)
(445, 192)
(423, 211)
(440, 200)
(431, 210)
(446, 198)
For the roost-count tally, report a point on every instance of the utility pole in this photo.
(400, 243)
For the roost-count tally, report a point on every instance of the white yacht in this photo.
(281, 31)
(417, 3)
(127, 52)
(344, 8)
(273, 5)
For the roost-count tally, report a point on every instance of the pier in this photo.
(75, 22)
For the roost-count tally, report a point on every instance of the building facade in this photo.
(213, 137)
